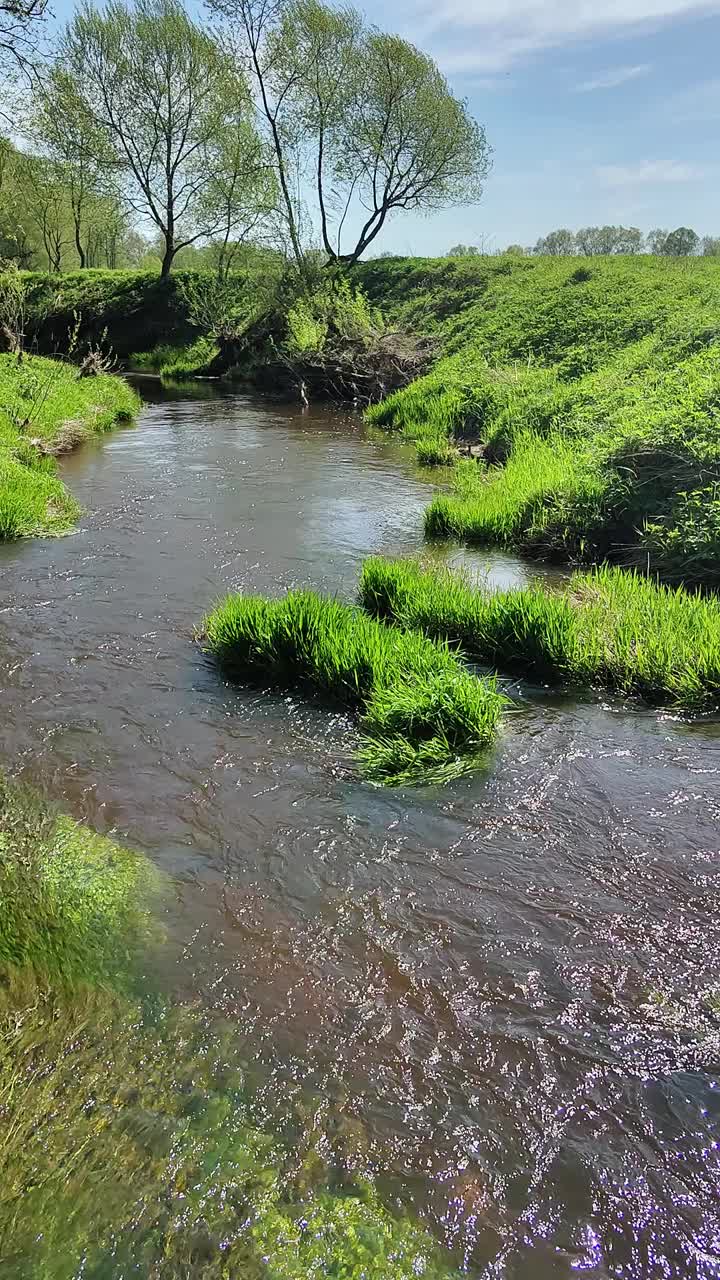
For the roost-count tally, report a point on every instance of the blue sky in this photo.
(593, 119)
(597, 112)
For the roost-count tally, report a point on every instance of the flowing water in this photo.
(511, 982)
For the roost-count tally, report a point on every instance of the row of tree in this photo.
(593, 241)
(596, 241)
(290, 122)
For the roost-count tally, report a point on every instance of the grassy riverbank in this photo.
(126, 1134)
(611, 628)
(47, 408)
(588, 385)
(422, 716)
(591, 385)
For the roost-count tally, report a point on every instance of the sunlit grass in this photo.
(422, 715)
(47, 408)
(176, 362)
(494, 506)
(611, 628)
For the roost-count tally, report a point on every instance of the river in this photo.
(510, 980)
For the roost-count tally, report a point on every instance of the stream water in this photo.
(509, 980)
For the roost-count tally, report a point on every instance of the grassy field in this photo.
(46, 408)
(422, 716)
(612, 628)
(593, 386)
(126, 1144)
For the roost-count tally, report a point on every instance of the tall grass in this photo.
(497, 504)
(46, 408)
(611, 628)
(615, 361)
(422, 716)
(176, 362)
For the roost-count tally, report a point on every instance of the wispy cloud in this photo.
(648, 173)
(612, 79)
(491, 35)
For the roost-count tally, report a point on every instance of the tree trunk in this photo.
(167, 258)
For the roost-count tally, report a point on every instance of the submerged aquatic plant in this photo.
(422, 715)
(611, 627)
(127, 1147)
(74, 905)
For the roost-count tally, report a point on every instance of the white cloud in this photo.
(648, 173)
(611, 79)
(490, 35)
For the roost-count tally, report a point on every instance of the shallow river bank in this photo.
(509, 981)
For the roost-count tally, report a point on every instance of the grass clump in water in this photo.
(47, 408)
(422, 715)
(611, 628)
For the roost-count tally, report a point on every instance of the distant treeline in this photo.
(590, 242)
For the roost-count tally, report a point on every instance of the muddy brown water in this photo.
(509, 981)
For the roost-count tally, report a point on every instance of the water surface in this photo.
(508, 981)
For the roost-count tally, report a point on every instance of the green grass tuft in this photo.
(176, 362)
(612, 628)
(422, 715)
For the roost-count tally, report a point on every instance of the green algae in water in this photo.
(127, 1148)
(127, 1144)
(74, 905)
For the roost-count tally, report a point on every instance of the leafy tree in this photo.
(681, 242)
(48, 205)
(368, 116)
(463, 251)
(241, 194)
(656, 240)
(67, 132)
(592, 241)
(557, 243)
(710, 246)
(163, 97)
(515, 251)
(18, 242)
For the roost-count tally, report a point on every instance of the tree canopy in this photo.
(364, 118)
(165, 101)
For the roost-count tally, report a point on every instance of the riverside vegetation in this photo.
(126, 1136)
(591, 389)
(610, 628)
(422, 716)
(47, 408)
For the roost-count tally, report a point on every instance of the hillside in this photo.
(592, 386)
